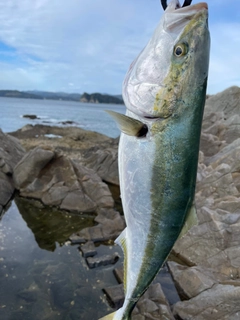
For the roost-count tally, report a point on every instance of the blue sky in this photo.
(88, 45)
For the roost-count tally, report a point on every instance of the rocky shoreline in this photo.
(76, 170)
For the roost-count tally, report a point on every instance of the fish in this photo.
(164, 92)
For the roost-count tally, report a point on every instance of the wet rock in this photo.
(102, 260)
(16, 315)
(83, 297)
(59, 181)
(88, 249)
(72, 143)
(75, 239)
(62, 294)
(110, 225)
(118, 272)
(29, 295)
(10, 153)
(30, 303)
(115, 295)
(68, 122)
(30, 116)
(50, 225)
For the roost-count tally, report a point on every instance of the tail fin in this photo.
(109, 316)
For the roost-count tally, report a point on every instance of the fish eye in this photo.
(180, 50)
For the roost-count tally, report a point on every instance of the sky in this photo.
(87, 45)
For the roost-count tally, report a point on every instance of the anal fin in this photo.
(109, 316)
(122, 242)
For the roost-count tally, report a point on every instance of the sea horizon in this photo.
(88, 116)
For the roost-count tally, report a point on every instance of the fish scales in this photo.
(158, 169)
(158, 224)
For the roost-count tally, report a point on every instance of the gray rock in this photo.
(58, 181)
(226, 101)
(28, 169)
(93, 186)
(225, 105)
(110, 225)
(75, 239)
(29, 295)
(11, 150)
(138, 317)
(118, 272)
(211, 249)
(104, 162)
(6, 189)
(72, 143)
(88, 249)
(153, 305)
(115, 295)
(191, 281)
(218, 302)
(55, 195)
(78, 201)
(10, 153)
(30, 116)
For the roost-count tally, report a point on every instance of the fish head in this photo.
(174, 61)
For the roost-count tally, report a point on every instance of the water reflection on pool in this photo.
(42, 276)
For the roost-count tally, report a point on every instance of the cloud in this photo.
(92, 43)
(75, 40)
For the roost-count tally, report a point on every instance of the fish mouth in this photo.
(175, 5)
(195, 7)
(154, 118)
(147, 118)
(177, 17)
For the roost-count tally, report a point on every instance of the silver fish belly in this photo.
(164, 92)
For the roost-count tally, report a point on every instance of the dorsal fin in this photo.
(128, 125)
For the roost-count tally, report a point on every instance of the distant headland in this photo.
(85, 97)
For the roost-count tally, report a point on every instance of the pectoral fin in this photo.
(127, 125)
(191, 220)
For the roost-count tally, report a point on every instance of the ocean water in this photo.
(42, 276)
(88, 116)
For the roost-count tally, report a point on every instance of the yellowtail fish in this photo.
(164, 92)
